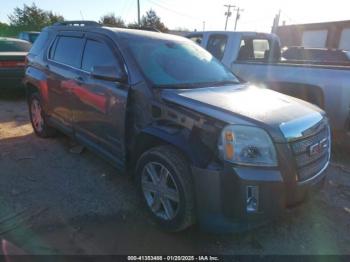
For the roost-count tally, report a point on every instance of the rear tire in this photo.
(166, 186)
(38, 118)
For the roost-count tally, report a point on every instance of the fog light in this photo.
(252, 199)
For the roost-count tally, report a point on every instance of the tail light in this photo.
(11, 64)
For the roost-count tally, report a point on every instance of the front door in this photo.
(99, 106)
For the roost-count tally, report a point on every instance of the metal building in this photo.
(318, 35)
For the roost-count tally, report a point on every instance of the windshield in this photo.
(178, 63)
(14, 46)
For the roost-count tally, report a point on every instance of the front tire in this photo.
(37, 117)
(166, 186)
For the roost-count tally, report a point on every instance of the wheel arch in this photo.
(36, 81)
(310, 93)
(182, 139)
(31, 88)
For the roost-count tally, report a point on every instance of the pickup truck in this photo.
(256, 58)
(202, 146)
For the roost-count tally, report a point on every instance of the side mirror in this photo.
(109, 73)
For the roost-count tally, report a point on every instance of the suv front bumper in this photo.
(222, 193)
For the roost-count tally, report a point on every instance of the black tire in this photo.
(45, 131)
(180, 173)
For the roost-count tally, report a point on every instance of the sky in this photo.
(190, 14)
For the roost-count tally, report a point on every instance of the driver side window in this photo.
(97, 54)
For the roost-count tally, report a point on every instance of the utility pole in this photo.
(228, 13)
(238, 16)
(138, 13)
(276, 22)
(82, 16)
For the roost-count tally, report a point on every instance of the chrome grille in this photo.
(302, 145)
(309, 165)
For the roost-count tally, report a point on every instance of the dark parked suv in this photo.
(202, 146)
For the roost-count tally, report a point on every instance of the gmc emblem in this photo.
(319, 147)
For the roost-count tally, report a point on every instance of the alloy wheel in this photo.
(36, 113)
(160, 190)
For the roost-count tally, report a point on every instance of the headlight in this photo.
(247, 145)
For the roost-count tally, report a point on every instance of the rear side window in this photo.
(257, 50)
(39, 43)
(68, 50)
(261, 48)
(97, 54)
(216, 45)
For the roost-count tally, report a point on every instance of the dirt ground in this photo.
(53, 201)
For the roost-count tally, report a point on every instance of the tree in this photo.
(133, 25)
(54, 18)
(152, 20)
(112, 20)
(32, 17)
(4, 29)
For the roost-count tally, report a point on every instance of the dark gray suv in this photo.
(202, 146)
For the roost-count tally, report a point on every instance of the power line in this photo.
(171, 10)
(128, 7)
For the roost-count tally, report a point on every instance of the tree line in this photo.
(33, 18)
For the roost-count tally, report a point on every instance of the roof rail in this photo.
(77, 23)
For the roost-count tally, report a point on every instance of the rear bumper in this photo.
(221, 195)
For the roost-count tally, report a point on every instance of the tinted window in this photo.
(97, 54)
(246, 51)
(68, 51)
(39, 44)
(170, 63)
(216, 45)
(196, 38)
(9, 45)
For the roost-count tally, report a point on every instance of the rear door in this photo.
(64, 61)
(99, 106)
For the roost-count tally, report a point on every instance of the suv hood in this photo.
(247, 104)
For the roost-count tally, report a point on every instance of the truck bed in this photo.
(302, 63)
